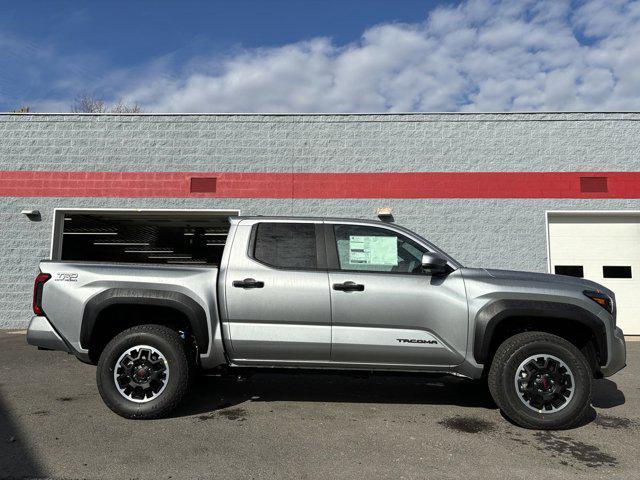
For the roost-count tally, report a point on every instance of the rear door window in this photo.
(286, 245)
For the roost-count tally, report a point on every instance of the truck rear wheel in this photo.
(143, 372)
(540, 381)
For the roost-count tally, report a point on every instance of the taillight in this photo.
(37, 292)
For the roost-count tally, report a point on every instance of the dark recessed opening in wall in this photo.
(168, 237)
(570, 270)
(593, 184)
(203, 185)
(616, 271)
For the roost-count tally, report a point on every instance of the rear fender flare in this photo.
(161, 298)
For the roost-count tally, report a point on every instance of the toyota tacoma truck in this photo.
(339, 294)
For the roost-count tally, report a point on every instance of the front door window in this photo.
(373, 249)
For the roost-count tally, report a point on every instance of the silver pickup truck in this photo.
(324, 293)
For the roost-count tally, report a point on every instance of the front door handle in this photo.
(248, 283)
(348, 287)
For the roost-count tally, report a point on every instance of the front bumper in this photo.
(617, 354)
(42, 335)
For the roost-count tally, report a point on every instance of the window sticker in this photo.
(364, 250)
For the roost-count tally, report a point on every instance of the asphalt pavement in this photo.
(53, 424)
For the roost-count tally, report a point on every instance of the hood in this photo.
(548, 278)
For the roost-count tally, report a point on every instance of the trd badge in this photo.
(66, 277)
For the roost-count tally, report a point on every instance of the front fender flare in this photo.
(493, 314)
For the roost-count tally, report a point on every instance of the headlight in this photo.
(601, 299)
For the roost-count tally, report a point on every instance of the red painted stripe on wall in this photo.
(320, 185)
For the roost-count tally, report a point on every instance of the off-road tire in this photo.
(172, 347)
(511, 353)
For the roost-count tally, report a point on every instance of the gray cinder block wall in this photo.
(499, 233)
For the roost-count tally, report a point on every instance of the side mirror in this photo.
(434, 263)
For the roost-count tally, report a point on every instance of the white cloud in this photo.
(481, 55)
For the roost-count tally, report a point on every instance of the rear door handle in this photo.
(248, 283)
(348, 287)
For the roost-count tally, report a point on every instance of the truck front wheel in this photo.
(143, 372)
(540, 381)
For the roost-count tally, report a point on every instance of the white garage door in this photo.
(604, 248)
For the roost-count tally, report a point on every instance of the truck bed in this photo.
(75, 286)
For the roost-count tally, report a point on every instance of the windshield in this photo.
(429, 244)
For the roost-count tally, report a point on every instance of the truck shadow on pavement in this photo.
(17, 459)
(211, 393)
(605, 394)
